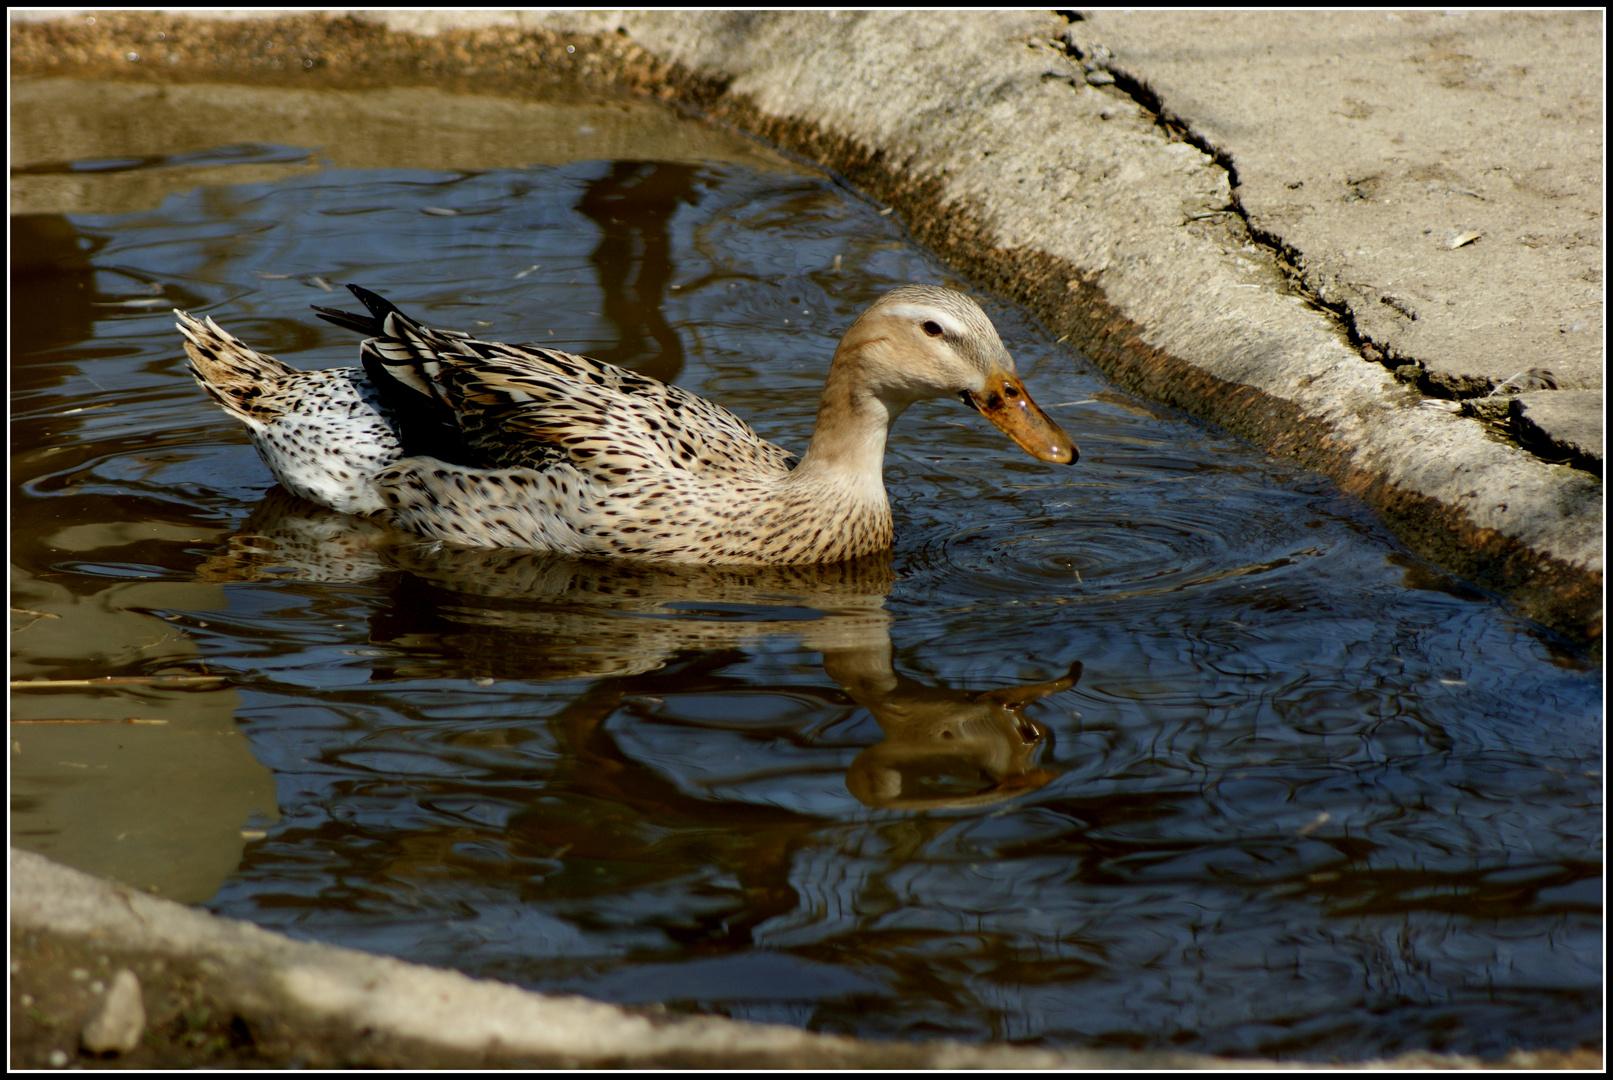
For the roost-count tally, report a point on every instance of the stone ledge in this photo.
(322, 1005)
(1566, 423)
(277, 1002)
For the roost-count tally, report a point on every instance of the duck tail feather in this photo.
(379, 305)
(234, 374)
(347, 320)
(371, 325)
(399, 361)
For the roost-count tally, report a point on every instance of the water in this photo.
(1175, 747)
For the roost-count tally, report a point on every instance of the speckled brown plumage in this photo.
(494, 445)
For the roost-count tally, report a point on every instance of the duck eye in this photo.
(932, 328)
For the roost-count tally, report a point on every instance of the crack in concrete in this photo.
(1288, 260)
(1103, 72)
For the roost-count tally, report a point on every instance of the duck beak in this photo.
(1004, 402)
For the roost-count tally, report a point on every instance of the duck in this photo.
(485, 444)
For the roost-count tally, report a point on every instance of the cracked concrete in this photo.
(1436, 175)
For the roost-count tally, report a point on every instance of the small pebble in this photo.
(117, 1025)
(58, 1058)
(26, 1000)
(78, 974)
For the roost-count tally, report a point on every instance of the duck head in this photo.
(923, 341)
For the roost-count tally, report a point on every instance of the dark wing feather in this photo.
(487, 404)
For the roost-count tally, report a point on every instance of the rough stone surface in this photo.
(1436, 177)
(1026, 152)
(116, 1026)
(1569, 422)
(1370, 143)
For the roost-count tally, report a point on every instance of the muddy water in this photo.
(1174, 747)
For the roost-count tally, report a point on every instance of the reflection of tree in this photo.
(607, 820)
(633, 206)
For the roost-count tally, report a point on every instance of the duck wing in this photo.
(493, 405)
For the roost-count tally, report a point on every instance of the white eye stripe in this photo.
(921, 313)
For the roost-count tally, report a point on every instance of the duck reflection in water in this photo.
(942, 747)
(509, 614)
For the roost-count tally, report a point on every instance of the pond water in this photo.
(1175, 747)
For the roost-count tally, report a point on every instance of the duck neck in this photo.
(848, 443)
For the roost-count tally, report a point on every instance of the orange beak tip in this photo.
(1011, 409)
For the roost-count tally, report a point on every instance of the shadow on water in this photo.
(52, 277)
(1176, 748)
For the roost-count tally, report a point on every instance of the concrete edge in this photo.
(378, 1010)
(271, 979)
